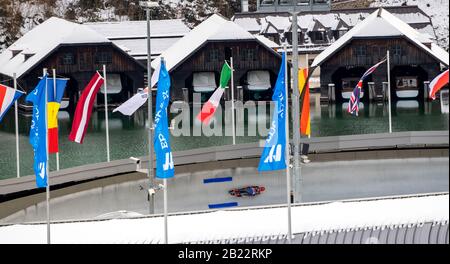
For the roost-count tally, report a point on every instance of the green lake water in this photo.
(129, 136)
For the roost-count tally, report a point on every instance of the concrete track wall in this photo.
(334, 148)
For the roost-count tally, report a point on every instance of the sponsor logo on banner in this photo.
(274, 154)
(168, 165)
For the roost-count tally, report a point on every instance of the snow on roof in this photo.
(328, 20)
(279, 22)
(316, 25)
(237, 223)
(440, 52)
(42, 40)
(229, 30)
(214, 28)
(413, 18)
(130, 29)
(428, 31)
(138, 47)
(340, 25)
(270, 29)
(267, 42)
(249, 24)
(311, 25)
(353, 19)
(283, 23)
(409, 14)
(379, 28)
(131, 36)
(381, 23)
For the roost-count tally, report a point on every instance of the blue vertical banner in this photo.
(273, 156)
(164, 160)
(38, 132)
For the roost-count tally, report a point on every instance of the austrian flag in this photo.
(84, 109)
(440, 81)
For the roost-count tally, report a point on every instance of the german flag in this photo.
(305, 120)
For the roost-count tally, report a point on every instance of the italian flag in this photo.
(209, 108)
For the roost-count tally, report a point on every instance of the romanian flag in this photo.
(55, 95)
(52, 111)
(209, 108)
(305, 120)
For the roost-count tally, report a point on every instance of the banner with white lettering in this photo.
(38, 131)
(273, 156)
(164, 160)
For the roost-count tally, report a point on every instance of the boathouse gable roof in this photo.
(38, 44)
(215, 28)
(382, 24)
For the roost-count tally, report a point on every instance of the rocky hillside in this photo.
(19, 16)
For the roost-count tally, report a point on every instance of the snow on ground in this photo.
(238, 223)
(438, 10)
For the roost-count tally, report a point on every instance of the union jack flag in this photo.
(353, 106)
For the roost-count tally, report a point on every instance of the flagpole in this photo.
(108, 158)
(54, 92)
(16, 113)
(151, 198)
(232, 101)
(166, 233)
(296, 107)
(288, 163)
(166, 230)
(389, 90)
(47, 188)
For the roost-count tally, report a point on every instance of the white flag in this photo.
(139, 99)
(133, 104)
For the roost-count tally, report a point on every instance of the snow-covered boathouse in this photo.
(415, 58)
(317, 30)
(76, 51)
(195, 61)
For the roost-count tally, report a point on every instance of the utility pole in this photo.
(147, 5)
(296, 108)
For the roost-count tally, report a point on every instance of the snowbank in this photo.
(238, 223)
